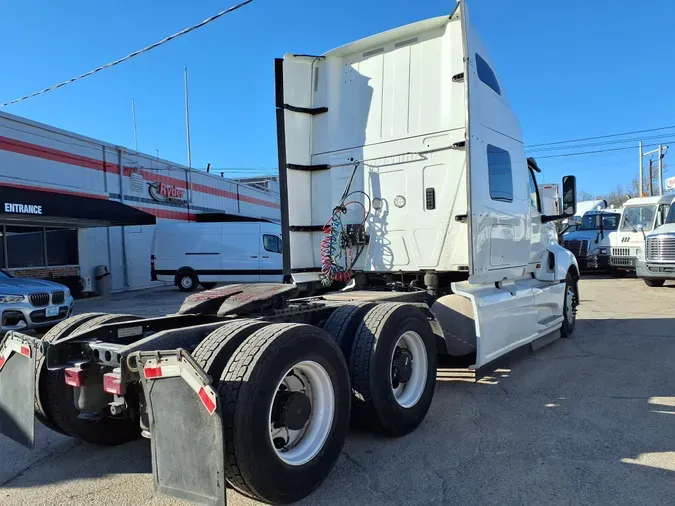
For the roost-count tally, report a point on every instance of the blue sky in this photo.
(571, 69)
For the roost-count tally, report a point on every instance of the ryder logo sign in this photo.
(162, 192)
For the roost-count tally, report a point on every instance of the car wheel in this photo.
(187, 281)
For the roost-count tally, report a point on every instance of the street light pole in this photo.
(187, 119)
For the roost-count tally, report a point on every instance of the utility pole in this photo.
(187, 119)
(133, 116)
(651, 179)
(640, 173)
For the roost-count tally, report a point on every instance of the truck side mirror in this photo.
(569, 200)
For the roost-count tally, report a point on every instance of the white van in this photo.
(191, 254)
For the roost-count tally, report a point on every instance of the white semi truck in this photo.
(655, 263)
(639, 216)
(592, 240)
(407, 203)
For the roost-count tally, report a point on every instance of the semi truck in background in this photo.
(572, 224)
(655, 263)
(420, 224)
(639, 216)
(592, 240)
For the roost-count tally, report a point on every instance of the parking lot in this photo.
(589, 420)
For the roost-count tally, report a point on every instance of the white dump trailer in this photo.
(412, 223)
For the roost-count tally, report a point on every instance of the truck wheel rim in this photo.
(408, 393)
(307, 381)
(186, 282)
(569, 305)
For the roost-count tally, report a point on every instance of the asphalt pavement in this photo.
(586, 420)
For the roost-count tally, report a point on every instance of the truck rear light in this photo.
(112, 383)
(153, 372)
(74, 376)
(152, 261)
(25, 351)
(2, 361)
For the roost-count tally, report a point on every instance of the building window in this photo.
(500, 179)
(62, 246)
(272, 243)
(25, 247)
(37, 247)
(486, 74)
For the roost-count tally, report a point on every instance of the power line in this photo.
(604, 143)
(602, 150)
(129, 56)
(601, 136)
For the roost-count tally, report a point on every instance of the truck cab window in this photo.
(272, 243)
(500, 177)
(535, 203)
(486, 74)
(638, 216)
(662, 215)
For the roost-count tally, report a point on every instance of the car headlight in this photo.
(603, 251)
(11, 299)
(67, 290)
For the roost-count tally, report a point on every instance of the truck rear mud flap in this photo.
(17, 387)
(186, 426)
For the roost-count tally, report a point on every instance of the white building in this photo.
(69, 203)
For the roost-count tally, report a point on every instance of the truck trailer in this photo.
(413, 226)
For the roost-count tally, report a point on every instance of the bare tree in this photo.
(583, 196)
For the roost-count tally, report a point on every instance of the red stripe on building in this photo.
(54, 190)
(168, 214)
(180, 183)
(35, 150)
(55, 155)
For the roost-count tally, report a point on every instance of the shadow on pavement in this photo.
(585, 420)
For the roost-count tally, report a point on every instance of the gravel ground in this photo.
(589, 420)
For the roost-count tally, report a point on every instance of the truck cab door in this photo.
(498, 174)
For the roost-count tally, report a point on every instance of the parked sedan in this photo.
(32, 303)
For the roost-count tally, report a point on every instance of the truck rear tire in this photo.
(343, 322)
(42, 404)
(187, 281)
(213, 353)
(655, 282)
(569, 307)
(286, 399)
(106, 430)
(393, 369)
